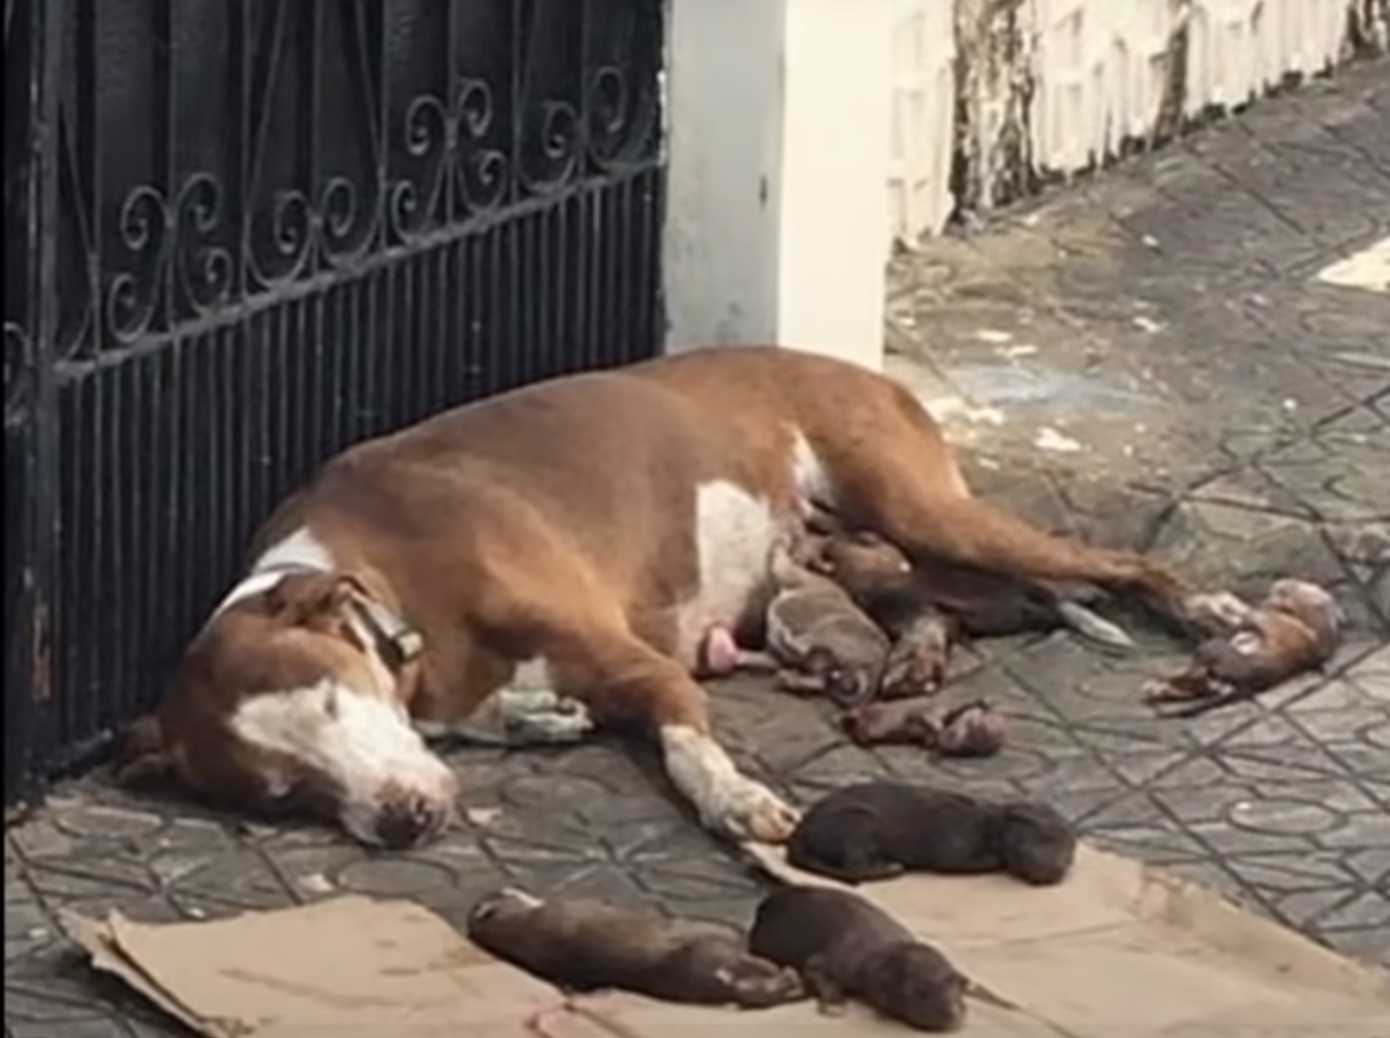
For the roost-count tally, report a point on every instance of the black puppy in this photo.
(873, 830)
(843, 945)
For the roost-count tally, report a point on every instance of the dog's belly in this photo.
(734, 532)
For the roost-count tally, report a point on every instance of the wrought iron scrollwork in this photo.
(144, 228)
(481, 171)
(446, 158)
(464, 176)
(205, 269)
(551, 146)
(19, 371)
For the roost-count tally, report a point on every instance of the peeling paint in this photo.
(1049, 88)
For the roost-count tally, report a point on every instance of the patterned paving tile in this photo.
(1259, 444)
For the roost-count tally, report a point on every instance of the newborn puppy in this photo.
(1297, 627)
(982, 604)
(818, 640)
(874, 571)
(846, 946)
(972, 729)
(585, 944)
(874, 830)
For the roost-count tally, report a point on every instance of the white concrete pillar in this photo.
(779, 133)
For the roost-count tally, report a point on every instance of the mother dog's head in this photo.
(294, 698)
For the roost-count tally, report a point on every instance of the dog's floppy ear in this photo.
(141, 755)
(302, 597)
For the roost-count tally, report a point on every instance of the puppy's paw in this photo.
(916, 666)
(566, 721)
(1216, 613)
(755, 982)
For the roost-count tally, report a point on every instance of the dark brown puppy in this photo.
(982, 604)
(874, 830)
(845, 946)
(973, 729)
(873, 571)
(1297, 627)
(584, 944)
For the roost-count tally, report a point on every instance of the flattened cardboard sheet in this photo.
(1121, 948)
(1117, 949)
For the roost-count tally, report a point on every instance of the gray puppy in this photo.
(818, 640)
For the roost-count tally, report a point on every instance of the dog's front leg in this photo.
(625, 681)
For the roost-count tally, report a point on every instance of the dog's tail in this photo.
(1093, 626)
(975, 533)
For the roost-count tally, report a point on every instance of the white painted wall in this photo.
(1239, 48)
(778, 126)
(724, 136)
(1099, 69)
(833, 213)
(924, 116)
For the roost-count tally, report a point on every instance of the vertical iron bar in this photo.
(444, 343)
(303, 386)
(374, 343)
(496, 318)
(593, 340)
(625, 272)
(340, 346)
(407, 356)
(561, 297)
(47, 19)
(530, 297)
(579, 334)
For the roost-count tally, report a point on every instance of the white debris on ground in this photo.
(482, 816)
(946, 408)
(1049, 439)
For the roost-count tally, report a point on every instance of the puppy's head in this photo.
(1035, 842)
(864, 564)
(1311, 604)
(972, 730)
(917, 984)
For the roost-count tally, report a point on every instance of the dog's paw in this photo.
(754, 812)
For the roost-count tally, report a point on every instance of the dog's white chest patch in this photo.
(734, 531)
(811, 479)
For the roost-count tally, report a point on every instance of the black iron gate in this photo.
(241, 234)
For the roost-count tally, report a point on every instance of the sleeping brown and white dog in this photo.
(581, 534)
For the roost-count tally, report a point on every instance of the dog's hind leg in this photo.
(898, 477)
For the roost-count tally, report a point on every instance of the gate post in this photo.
(30, 403)
(779, 118)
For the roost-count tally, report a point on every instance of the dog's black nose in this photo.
(406, 821)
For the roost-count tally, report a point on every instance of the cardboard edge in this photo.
(1220, 922)
(98, 939)
(1207, 915)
